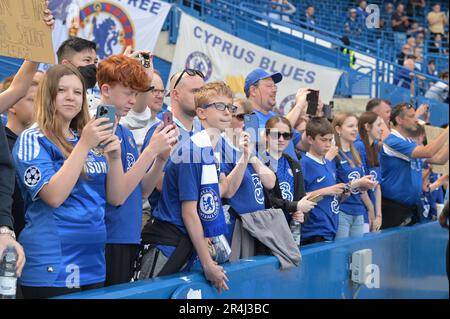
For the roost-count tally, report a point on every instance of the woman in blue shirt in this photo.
(349, 169)
(65, 185)
(370, 128)
(249, 196)
(288, 193)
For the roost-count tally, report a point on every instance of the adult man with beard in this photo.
(401, 161)
(261, 90)
(183, 86)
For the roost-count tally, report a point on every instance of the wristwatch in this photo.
(7, 231)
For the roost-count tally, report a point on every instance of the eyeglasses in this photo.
(221, 106)
(190, 72)
(158, 92)
(286, 135)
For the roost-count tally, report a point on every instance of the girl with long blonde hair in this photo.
(65, 185)
(349, 170)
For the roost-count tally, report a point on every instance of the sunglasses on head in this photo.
(190, 72)
(221, 106)
(286, 135)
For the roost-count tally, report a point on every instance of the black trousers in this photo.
(120, 259)
(396, 214)
(50, 292)
(312, 240)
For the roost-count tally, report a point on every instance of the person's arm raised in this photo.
(24, 77)
(440, 158)
(160, 142)
(62, 183)
(432, 147)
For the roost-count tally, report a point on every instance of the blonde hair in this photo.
(47, 117)
(338, 120)
(246, 104)
(214, 89)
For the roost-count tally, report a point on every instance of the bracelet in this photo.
(7, 231)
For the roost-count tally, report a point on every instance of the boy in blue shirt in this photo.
(320, 179)
(121, 79)
(401, 167)
(189, 211)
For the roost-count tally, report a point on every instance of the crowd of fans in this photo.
(146, 196)
(420, 36)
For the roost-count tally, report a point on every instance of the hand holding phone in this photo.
(328, 111)
(167, 118)
(145, 59)
(251, 126)
(316, 198)
(106, 111)
(313, 101)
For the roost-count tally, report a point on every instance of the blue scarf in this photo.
(209, 206)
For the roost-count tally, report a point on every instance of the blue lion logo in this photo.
(105, 35)
(201, 62)
(207, 203)
(209, 206)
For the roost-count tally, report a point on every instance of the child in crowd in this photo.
(349, 169)
(370, 128)
(121, 79)
(65, 186)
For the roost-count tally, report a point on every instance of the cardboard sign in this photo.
(432, 132)
(23, 32)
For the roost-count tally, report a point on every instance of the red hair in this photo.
(123, 70)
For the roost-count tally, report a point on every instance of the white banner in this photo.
(113, 24)
(221, 56)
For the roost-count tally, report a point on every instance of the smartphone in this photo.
(251, 126)
(145, 59)
(313, 101)
(106, 111)
(167, 118)
(328, 111)
(316, 198)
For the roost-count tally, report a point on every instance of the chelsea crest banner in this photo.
(221, 56)
(112, 24)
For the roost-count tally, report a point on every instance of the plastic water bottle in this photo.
(295, 230)
(8, 279)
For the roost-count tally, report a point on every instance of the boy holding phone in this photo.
(320, 181)
(121, 79)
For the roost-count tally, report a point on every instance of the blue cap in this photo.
(259, 74)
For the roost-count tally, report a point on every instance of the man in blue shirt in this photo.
(401, 167)
(183, 86)
(261, 90)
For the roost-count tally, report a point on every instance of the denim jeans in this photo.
(350, 225)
